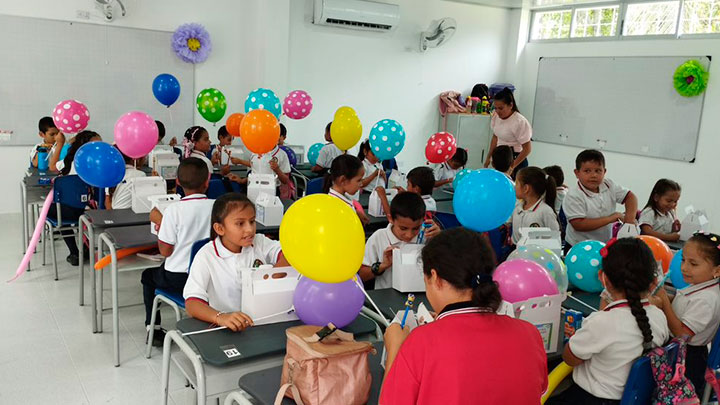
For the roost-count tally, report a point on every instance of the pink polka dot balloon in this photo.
(71, 116)
(440, 147)
(297, 104)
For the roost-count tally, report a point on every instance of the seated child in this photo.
(445, 172)
(196, 143)
(421, 181)
(161, 135)
(47, 131)
(327, 154)
(375, 175)
(213, 290)
(274, 162)
(183, 223)
(535, 192)
(283, 135)
(556, 173)
(220, 155)
(343, 181)
(590, 207)
(120, 196)
(502, 160)
(658, 218)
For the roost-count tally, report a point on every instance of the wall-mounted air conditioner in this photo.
(356, 14)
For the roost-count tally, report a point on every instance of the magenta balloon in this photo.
(319, 303)
(136, 134)
(520, 279)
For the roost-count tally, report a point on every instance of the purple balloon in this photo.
(319, 303)
(520, 279)
(290, 154)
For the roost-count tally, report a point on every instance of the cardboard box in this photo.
(143, 187)
(694, 221)
(407, 273)
(268, 210)
(161, 202)
(267, 299)
(544, 313)
(260, 183)
(165, 164)
(544, 237)
(375, 207)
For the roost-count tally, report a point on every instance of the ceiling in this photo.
(493, 3)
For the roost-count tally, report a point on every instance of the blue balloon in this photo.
(675, 273)
(387, 139)
(313, 153)
(484, 200)
(583, 262)
(290, 154)
(166, 89)
(460, 175)
(263, 99)
(99, 164)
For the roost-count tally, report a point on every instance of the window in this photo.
(595, 22)
(651, 18)
(551, 24)
(700, 17)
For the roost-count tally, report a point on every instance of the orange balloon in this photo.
(260, 131)
(233, 124)
(660, 250)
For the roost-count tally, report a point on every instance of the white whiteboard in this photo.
(620, 104)
(110, 69)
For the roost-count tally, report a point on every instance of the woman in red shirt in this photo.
(469, 354)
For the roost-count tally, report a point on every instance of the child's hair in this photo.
(364, 149)
(661, 187)
(709, 247)
(327, 127)
(80, 139)
(161, 130)
(407, 205)
(464, 259)
(460, 156)
(128, 160)
(502, 158)
(344, 165)
(192, 173)
(46, 123)
(283, 131)
(423, 177)
(506, 96)
(224, 205)
(222, 132)
(540, 183)
(556, 173)
(630, 266)
(589, 155)
(192, 135)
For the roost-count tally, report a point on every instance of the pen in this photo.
(408, 305)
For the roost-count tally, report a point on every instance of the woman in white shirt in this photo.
(510, 128)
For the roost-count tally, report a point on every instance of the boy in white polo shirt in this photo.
(182, 224)
(590, 207)
(327, 154)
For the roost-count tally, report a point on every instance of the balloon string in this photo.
(371, 301)
(172, 126)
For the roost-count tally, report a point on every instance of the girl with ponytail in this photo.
(196, 143)
(536, 193)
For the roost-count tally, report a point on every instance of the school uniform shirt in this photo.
(184, 223)
(374, 249)
(371, 168)
(443, 171)
(343, 197)
(220, 150)
(513, 131)
(430, 203)
(539, 215)
(658, 222)
(60, 165)
(261, 164)
(467, 356)
(583, 203)
(122, 198)
(216, 274)
(327, 154)
(698, 307)
(201, 156)
(609, 342)
(561, 192)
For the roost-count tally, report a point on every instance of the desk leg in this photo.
(115, 309)
(81, 249)
(23, 210)
(175, 336)
(99, 291)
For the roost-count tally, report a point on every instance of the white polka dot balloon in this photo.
(71, 116)
(387, 139)
(263, 99)
(297, 105)
(583, 262)
(440, 147)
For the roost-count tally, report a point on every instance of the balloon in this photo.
(166, 89)
(548, 259)
(660, 250)
(263, 99)
(344, 112)
(319, 303)
(676, 276)
(70, 116)
(99, 164)
(346, 131)
(136, 134)
(583, 262)
(297, 105)
(322, 238)
(440, 147)
(39, 227)
(484, 200)
(260, 131)
(290, 154)
(520, 279)
(387, 139)
(233, 124)
(461, 174)
(211, 104)
(314, 152)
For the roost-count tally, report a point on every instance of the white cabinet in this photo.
(472, 132)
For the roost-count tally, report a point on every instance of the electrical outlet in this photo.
(82, 14)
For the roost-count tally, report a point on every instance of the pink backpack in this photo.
(673, 388)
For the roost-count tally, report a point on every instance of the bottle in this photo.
(484, 106)
(42, 158)
(468, 105)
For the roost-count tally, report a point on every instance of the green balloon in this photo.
(211, 104)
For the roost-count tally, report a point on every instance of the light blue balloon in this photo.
(387, 139)
(675, 273)
(460, 175)
(263, 99)
(484, 200)
(583, 262)
(314, 152)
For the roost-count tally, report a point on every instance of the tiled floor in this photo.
(48, 353)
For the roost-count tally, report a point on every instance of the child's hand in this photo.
(395, 336)
(676, 226)
(225, 170)
(235, 321)
(237, 179)
(363, 218)
(60, 137)
(274, 165)
(382, 174)
(433, 231)
(387, 259)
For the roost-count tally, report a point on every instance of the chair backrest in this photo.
(640, 383)
(314, 186)
(71, 191)
(196, 246)
(216, 188)
(714, 356)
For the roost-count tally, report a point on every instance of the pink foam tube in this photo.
(35, 238)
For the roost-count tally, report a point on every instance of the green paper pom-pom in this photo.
(690, 79)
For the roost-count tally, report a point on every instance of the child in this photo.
(590, 207)
(535, 192)
(445, 172)
(468, 354)
(283, 135)
(47, 131)
(373, 168)
(658, 217)
(502, 158)
(120, 196)
(196, 143)
(180, 226)
(604, 349)
(161, 135)
(556, 173)
(220, 155)
(213, 290)
(695, 311)
(407, 216)
(327, 154)
(343, 180)
(420, 181)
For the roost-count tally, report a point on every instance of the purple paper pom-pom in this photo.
(191, 43)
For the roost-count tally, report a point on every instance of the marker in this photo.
(408, 305)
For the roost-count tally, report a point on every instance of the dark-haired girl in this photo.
(196, 143)
(374, 174)
(510, 128)
(468, 354)
(658, 218)
(345, 180)
(535, 191)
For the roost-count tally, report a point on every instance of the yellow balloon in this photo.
(558, 374)
(345, 111)
(323, 239)
(346, 132)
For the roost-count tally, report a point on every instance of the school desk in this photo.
(676, 245)
(588, 300)
(390, 301)
(213, 361)
(115, 239)
(438, 194)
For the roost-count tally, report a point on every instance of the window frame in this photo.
(642, 37)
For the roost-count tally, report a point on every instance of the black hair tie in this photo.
(480, 279)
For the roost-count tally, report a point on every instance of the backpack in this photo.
(672, 385)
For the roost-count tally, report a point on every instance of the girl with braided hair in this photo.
(196, 143)
(627, 326)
